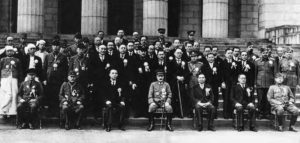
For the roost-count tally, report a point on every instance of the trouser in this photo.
(108, 114)
(70, 111)
(240, 115)
(264, 106)
(291, 108)
(210, 116)
(27, 112)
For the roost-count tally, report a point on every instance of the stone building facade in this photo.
(209, 18)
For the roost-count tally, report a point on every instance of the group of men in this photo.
(138, 77)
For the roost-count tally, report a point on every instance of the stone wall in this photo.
(249, 18)
(234, 16)
(51, 11)
(190, 17)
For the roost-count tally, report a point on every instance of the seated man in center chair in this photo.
(203, 97)
(160, 95)
(114, 99)
(71, 96)
(29, 96)
(243, 99)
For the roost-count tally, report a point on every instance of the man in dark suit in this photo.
(248, 69)
(112, 52)
(213, 75)
(33, 62)
(231, 69)
(114, 97)
(243, 99)
(203, 98)
(99, 70)
(179, 73)
(56, 66)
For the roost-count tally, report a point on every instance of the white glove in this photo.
(108, 102)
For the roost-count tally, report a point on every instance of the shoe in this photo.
(121, 128)
(211, 129)
(78, 127)
(67, 127)
(23, 126)
(240, 129)
(108, 129)
(292, 129)
(151, 123)
(200, 128)
(31, 126)
(280, 129)
(253, 129)
(169, 128)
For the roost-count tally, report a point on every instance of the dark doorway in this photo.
(120, 16)
(69, 16)
(173, 17)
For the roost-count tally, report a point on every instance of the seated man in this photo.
(203, 97)
(71, 96)
(114, 99)
(160, 96)
(29, 97)
(282, 99)
(243, 99)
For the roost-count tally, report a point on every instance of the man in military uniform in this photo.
(161, 37)
(203, 99)
(290, 66)
(114, 98)
(71, 98)
(73, 47)
(264, 72)
(56, 66)
(282, 99)
(195, 67)
(29, 96)
(243, 99)
(160, 96)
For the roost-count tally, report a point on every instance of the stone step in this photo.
(185, 123)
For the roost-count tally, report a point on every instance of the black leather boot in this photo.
(151, 122)
(169, 122)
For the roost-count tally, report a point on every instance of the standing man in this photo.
(160, 96)
(248, 69)
(231, 69)
(33, 62)
(77, 39)
(56, 71)
(71, 98)
(161, 37)
(203, 99)
(282, 99)
(179, 73)
(280, 56)
(121, 35)
(243, 99)
(214, 77)
(264, 71)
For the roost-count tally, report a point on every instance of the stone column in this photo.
(155, 15)
(93, 16)
(215, 19)
(30, 16)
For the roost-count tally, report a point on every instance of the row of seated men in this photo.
(159, 96)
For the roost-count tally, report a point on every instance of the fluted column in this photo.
(93, 16)
(215, 19)
(30, 16)
(155, 15)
